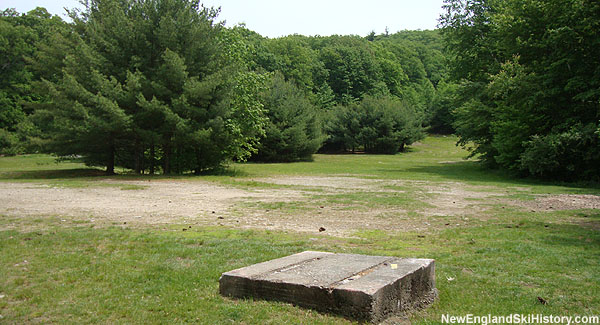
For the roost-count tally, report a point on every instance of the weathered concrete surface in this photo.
(367, 288)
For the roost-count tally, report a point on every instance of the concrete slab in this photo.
(367, 288)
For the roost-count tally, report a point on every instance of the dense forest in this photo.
(528, 72)
(162, 86)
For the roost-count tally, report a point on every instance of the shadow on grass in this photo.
(223, 171)
(53, 174)
(583, 235)
(96, 173)
(474, 172)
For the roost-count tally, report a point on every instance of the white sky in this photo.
(275, 18)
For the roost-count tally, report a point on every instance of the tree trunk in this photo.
(177, 161)
(138, 156)
(110, 163)
(166, 158)
(401, 147)
(142, 159)
(198, 169)
(152, 159)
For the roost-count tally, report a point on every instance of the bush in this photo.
(294, 130)
(8, 143)
(564, 155)
(375, 125)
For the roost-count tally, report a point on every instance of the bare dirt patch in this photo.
(158, 201)
(422, 206)
(338, 183)
(563, 202)
(456, 199)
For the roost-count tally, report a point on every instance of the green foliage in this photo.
(419, 55)
(20, 37)
(338, 71)
(159, 86)
(294, 130)
(151, 85)
(295, 60)
(440, 117)
(564, 155)
(520, 103)
(8, 142)
(351, 67)
(376, 125)
(342, 69)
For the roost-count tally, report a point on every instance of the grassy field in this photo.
(72, 270)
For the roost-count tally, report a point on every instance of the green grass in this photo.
(501, 270)
(113, 275)
(74, 271)
(436, 159)
(370, 200)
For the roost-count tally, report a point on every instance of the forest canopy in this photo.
(162, 86)
(529, 75)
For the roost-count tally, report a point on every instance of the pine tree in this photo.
(154, 85)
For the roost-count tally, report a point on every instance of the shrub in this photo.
(564, 155)
(376, 125)
(294, 130)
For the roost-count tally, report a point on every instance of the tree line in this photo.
(163, 86)
(528, 84)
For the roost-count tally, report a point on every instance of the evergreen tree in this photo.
(293, 131)
(154, 84)
(375, 125)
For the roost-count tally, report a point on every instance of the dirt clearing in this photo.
(341, 205)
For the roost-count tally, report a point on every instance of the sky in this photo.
(274, 18)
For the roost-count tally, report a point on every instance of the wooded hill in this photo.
(163, 86)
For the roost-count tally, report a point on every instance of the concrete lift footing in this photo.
(360, 287)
